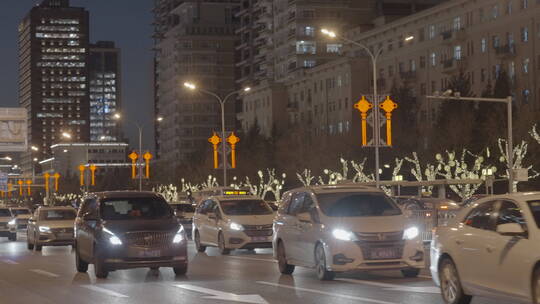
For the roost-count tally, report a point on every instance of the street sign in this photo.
(13, 130)
(3, 181)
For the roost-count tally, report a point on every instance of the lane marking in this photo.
(326, 293)
(11, 262)
(105, 291)
(395, 287)
(225, 296)
(45, 273)
(252, 259)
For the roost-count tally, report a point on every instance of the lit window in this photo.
(306, 47)
(333, 48)
(526, 62)
(433, 59)
(525, 34)
(310, 63)
(309, 31)
(483, 45)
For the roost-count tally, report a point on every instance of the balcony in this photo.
(409, 75)
(506, 51)
(450, 36)
(453, 65)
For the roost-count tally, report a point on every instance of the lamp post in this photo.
(222, 101)
(510, 143)
(140, 127)
(374, 56)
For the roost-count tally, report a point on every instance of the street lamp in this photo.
(34, 148)
(7, 158)
(447, 95)
(409, 38)
(140, 127)
(191, 86)
(66, 135)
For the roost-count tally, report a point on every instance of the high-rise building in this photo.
(195, 41)
(53, 79)
(105, 93)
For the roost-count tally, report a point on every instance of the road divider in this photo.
(337, 295)
(105, 291)
(224, 296)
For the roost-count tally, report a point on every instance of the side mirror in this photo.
(304, 217)
(511, 229)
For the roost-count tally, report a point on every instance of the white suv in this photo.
(491, 249)
(344, 228)
(8, 225)
(232, 222)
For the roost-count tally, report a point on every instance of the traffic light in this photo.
(133, 156)
(81, 170)
(215, 140)
(388, 106)
(363, 106)
(147, 157)
(93, 174)
(233, 140)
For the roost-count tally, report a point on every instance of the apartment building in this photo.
(195, 42)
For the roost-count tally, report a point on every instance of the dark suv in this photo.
(124, 229)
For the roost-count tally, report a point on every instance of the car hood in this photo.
(23, 216)
(368, 224)
(266, 219)
(57, 224)
(142, 225)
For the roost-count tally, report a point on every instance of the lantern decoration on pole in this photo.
(56, 178)
(46, 176)
(363, 106)
(28, 184)
(147, 157)
(93, 174)
(133, 156)
(81, 170)
(233, 140)
(388, 106)
(20, 182)
(215, 140)
(10, 188)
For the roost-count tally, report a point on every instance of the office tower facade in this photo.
(105, 91)
(53, 79)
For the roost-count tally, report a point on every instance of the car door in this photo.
(478, 233)
(282, 221)
(86, 228)
(511, 254)
(309, 231)
(203, 222)
(215, 219)
(292, 247)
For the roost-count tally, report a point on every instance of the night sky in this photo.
(127, 22)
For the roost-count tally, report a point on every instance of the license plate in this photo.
(149, 253)
(259, 239)
(384, 253)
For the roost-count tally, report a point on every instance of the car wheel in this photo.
(221, 244)
(451, 289)
(29, 245)
(284, 268)
(13, 237)
(410, 273)
(81, 265)
(320, 265)
(100, 269)
(154, 268)
(536, 286)
(197, 240)
(38, 247)
(180, 271)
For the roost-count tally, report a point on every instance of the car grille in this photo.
(257, 227)
(62, 230)
(258, 232)
(3, 225)
(149, 239)
(381, 246)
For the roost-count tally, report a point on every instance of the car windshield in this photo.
(245, 207)
(20, 211)
(184, 208)
(135, 208)
(5, 213)
(356, 204)
(535, 210)
(57, 215)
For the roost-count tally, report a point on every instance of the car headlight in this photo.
(179, 236)
(13, 222)
(44, 229)
(113, 239)
(411, 233)
(343, 235)
(235, 226)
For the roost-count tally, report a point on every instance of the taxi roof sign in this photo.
(236, 192)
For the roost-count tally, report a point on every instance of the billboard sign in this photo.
(13, 130)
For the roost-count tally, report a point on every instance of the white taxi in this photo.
(232, 222)
(8, 224)
(344, 228)
(491, 249)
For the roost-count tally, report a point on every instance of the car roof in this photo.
(341, 188)
(123, 194)
(234, 197)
